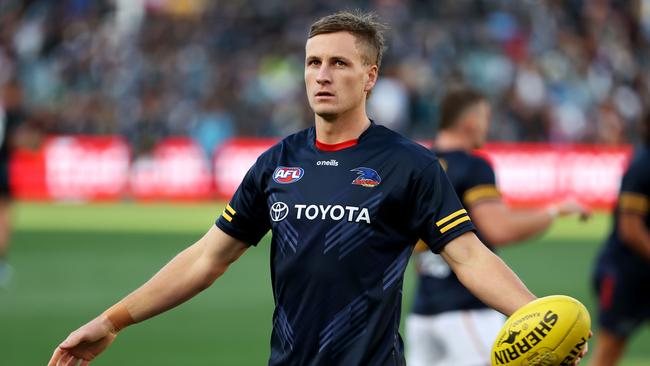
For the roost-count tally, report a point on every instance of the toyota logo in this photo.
(279, 211)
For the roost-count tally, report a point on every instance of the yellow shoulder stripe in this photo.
(629, 201)
(230, 209)
(451, 217)
(481, 192)
(454, 224)
(228, 213)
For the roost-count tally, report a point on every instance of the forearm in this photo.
(524, 224)
(486, 275)
(187, 274)
(501, 225)
(496, 285)
(182, 278)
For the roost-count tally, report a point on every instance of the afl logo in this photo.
(285, 175)
(279, 211)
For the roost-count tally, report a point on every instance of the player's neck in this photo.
(449, 141)
(343, 128)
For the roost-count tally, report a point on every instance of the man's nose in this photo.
(324, 76)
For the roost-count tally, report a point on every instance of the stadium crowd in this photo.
(558, 71)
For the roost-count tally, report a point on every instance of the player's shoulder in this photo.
(641, 159)
(479, 162)
(640, 163)
(296, 140)
(404, 149)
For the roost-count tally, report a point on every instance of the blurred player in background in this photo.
(11, 117)
(622, 275)
(448, 325)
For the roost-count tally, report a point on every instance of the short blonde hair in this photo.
(364, 26)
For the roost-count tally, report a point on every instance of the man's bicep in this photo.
(463, 250)
(221, 248)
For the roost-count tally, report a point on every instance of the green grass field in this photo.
(73, 261)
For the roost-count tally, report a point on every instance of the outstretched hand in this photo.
(84, 344)
(572, 207)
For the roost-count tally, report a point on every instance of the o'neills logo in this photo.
(526, 342)
(330, 162)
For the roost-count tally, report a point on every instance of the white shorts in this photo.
(455, 338)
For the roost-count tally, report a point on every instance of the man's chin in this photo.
(327, 115)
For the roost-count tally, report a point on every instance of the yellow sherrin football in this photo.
(550, 331)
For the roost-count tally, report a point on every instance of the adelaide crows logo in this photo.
(367, 177)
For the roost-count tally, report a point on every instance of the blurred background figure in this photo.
(15, 131)
(622, 274)
(11, 116)
(448, 326)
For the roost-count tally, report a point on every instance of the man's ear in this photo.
(371, 77)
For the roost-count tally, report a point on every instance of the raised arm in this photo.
(187, 274)
(501, 225)
(485, 274)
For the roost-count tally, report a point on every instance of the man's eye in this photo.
(340, 63)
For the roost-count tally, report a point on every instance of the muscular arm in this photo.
(485, 274)
(187, 274)
(634, 233)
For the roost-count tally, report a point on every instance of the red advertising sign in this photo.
(27, 175)
(177, 169)
(233, 159)
(92, 168)
(86, 168)
(539, 174)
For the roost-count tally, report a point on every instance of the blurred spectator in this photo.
(558, 71)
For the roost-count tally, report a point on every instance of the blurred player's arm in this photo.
(187, 274)
(501, 225)
(485, 274)
(631, 225)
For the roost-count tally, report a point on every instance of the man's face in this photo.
(336, 77)
(479, 121)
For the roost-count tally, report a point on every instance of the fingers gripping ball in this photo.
(550, 331)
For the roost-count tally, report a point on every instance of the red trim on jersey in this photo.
(336, 147)
(607, 292)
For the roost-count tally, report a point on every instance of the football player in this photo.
(11, 135)
(622, 275)
(448, 325)
(342, 231)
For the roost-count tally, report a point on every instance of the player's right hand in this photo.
(84, 344)
(573, 207)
